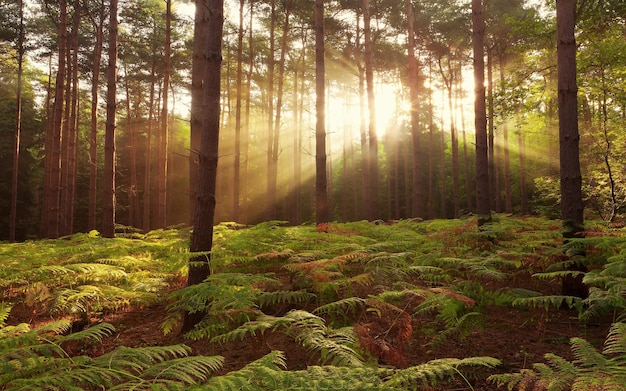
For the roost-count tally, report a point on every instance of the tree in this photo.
(483, 203)
(418, 206)
(162, 159)
(18, 122)
(571, 178)
(52, 190)
(97, 20)
(108, 181)
(321, 195)
(204, 213)
(372, 155)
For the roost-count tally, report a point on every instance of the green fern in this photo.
(268, 374)
(334, 346)
(590, 370)
(37, 359)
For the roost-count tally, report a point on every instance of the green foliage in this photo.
(227, 300)
(39, 359)
(268, 374)
(86, 275)
(590, 369)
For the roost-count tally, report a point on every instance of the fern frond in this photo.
(94, 333)
(259, 371)
(433, 371)
(616, 340)
(343, 306)
(555, 301)
(5, 310)
(282, 297)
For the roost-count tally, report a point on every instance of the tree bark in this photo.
(98, 26)
(571, 179)
(321, 195)
(108, 182)
(418, 204)
(53, 148)
(163, 148)
(373, 207)
(483, 203)
(18, 124)
(202, 235)
(239, 92)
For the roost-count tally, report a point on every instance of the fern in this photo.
(37, 359)
(554, 301)
(333, 346)
(267, 373)
(590, 369)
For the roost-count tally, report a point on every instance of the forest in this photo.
(328, 194)
(384, 169)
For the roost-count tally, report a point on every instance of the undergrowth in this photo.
(354, 296)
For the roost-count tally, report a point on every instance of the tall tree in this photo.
(483, 203)
(97, 21)
(321, 195)
(52, 190)
(418, 206)
(571, 178)
(200, 47)
(163, 147)
(204, 213)
(18, 121)
(108, 181)
(239, 92)
(372, 156)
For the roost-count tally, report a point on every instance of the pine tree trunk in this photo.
(239, 93)
(494, 186)
(204, 213)
(271, 169)
(418, 204)
(53, 148)
(73, 126)
(483, 204)
(108, 182)
(321, 195)
(93, 136)
(571, 179)
(18, 125)
(163, 146)
(373, 207)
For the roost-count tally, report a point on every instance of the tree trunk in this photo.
(271, 169)
(321, 195)
(418, 204)
(239, 92)
(108, 182)
(93, 137)
(163, 148)
(18, 124)
(73, 125)
(571, 179)
(53, 148)
(279, 97)
(522, 171)
(202, 235)
(483, 204)
(372, 208)
(494, 186)
(200, 36)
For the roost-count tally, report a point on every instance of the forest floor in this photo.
(519, 336)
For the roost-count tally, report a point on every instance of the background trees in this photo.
(418, 129)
